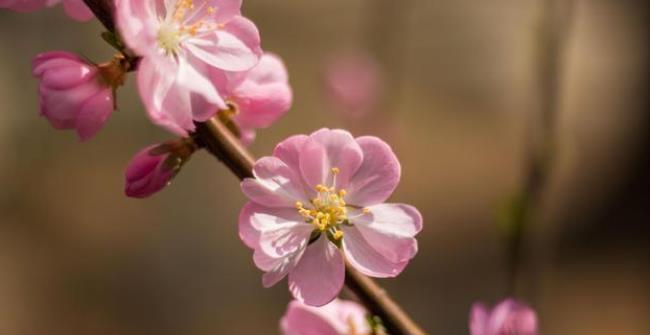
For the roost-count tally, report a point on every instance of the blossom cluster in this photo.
(317, 206)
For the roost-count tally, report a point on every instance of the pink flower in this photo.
(258, 97)
(339, 317)
(509, 317)
(321, 193)
(73, 94)
(354, 83)
(153, 168)
(76, 9)
(180, 42)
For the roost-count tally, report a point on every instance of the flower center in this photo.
(184, 19)
(169, 38)
(328, 209)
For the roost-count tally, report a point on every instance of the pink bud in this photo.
(72, 93)
(508, 317)
(149, 171)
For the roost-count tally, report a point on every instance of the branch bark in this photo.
(220, 142)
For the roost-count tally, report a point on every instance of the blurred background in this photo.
(469, 93)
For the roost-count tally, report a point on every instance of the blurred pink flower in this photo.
(76, 9)
(509, 317)
(153, 168)
(257, 97)
(354, 83)
(319, 193)
(72, 93)
(180, 43)
(339, 317)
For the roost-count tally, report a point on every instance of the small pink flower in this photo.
(76, 9)
(258, 97)
(153, 168)
(318, 195)
(354, 83)
(73, 95)
(339, 317)
(181, 42)
(509, 317)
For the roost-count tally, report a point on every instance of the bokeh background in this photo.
(460, 106)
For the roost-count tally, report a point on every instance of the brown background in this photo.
(77, 257)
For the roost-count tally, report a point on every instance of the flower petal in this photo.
(277, 232)
(94, 114)
(390, 228)
(378, 175)
(478, 319)
(305, 320)
(326, 149)
(78, 10)
(235, 48)
(138, 23)
(275, 184)
(168, 104)
(319, 275)
(363, 257)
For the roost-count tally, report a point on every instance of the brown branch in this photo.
(220, 142)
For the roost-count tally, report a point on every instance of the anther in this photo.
(336, 170)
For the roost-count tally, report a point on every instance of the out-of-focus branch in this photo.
(552, 31)
(220, 142)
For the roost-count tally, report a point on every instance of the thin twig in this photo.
(552, 32)
(220, 142)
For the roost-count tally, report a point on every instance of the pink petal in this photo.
(346, 317)
(94, 114)
(77, 10)
(478, 319)
(278, 232)
(138, 24)
(363, 257)
(327, 149)
(304, 320)
(378, 175)
(168, 105)
(64, 77)
(225, 9)
(280, 268)
(63, 105)
(289, 151)
(236, 48)
(264, 95)
(274, 185)
(390, 228)
(319, 275)
(512, 317)
(191, 77)
(247, 136)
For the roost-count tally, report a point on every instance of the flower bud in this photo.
(73, 93)
(153, 168)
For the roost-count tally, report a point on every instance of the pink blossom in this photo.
(181, 42)
(339, 317)
(258, 97)
(509, 317)
(354, 83)
(319, 197)
(75, 9)
(153, 168)
(73, 94)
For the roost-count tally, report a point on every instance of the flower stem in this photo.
(220, 142)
